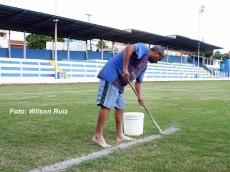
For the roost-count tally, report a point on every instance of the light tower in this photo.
(201, 11)
(89, 22)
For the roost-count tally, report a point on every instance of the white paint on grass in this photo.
(78, 160)
(170, 130)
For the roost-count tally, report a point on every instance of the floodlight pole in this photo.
(90, 39)
(167, 55)
(113, 48)
(198, 61)
(88, 17)
(9, 46)
(55, 38)
(201, 11)
(24, 45)
(55, 46)
(102, 51)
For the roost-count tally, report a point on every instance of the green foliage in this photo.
(210, 53)
(218, 55)
(207, 53)
(39, 41)
(99, 45)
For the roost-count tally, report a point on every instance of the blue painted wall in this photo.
(37, 54)
(224, 66)
(74, 55)
(16, 53)
(173, 59)
(77, 55)
(94, 55)
(30, 53)
(47, 54)
(61, 54)
(190, 60)
(3, 52)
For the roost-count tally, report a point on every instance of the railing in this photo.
(80, 69)
(219, 74)
(205, 67)
(86, 71)
(25, 68)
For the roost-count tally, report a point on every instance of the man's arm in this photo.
(129, 50)
(138, 88)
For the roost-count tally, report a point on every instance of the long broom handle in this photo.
(145, 107)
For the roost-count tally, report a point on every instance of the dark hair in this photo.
(159, 49)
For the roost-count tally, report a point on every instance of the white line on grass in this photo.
(76, 161)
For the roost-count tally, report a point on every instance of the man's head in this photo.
(156, 54)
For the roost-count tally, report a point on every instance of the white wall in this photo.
(72, 46)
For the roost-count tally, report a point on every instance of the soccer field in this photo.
(44, 124)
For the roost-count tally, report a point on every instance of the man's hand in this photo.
(141, 102)
(129, 50)
(126, 74)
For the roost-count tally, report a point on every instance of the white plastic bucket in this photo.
(133, 123)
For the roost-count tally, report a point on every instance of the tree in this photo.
(99, 45)
(218, 55)
(39, 41)
(207, 53)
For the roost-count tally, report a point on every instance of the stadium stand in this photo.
(14, 70)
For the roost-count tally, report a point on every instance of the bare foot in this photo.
(123, 137)
(100, 141)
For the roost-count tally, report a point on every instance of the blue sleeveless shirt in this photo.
(112, 71)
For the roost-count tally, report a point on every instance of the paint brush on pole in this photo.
(145, 108)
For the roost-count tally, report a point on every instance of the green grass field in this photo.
(200, 109)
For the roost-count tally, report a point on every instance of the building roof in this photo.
(17, 42)
(17, 19)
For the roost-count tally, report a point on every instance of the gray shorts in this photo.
(109, 96)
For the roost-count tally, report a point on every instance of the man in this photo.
(130, 64)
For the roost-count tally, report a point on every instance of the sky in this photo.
(162, 17)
